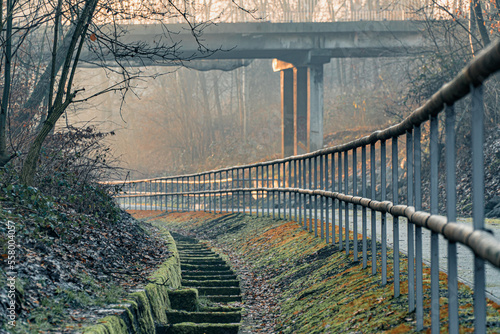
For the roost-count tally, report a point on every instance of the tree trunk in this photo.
(31, 161)
(480, 23)
(4, 156)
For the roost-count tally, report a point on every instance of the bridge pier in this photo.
(301, 107)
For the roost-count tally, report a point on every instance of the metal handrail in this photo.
(304, 185)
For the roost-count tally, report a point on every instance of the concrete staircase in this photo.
(205, 271)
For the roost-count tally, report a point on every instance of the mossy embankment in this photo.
(322, 289)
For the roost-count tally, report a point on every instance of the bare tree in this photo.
(72, 24)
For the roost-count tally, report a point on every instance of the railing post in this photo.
(395, 220)
(333, 200)
(434, 236)
(295, 197)
(315, 197)
(417, 157)
(257, 186)
(251, 186)
(321, 184)
(346, 191)
(451, 213)
(383, 188)
(178, 188)
(310, 197)
(267, 192)
(236, 193)
(209, 194)
(327, 203)
(363, 212)
(299, 195)
(304, 186)
(355, 207)
(339, 183)
(289, 193)
(280, 184)
(274, 193)
(373, 212)
(410, 228)
(232, 190)
(477, 135)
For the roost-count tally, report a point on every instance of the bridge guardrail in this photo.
(324, 182)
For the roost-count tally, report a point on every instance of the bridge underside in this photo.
(302, 49)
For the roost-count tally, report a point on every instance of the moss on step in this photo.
(175, 317)
(184, 299)
(192, 328)
(211, 283)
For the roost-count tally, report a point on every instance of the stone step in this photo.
(175, 317)
(205, 267)
(206, 272)
(196, 277)
(181, 245)
(204, 261)
(192, 328)
(223, 298)
(220, 309)
(218, 291)
(207, 283)
(196, 256)
(198, 253)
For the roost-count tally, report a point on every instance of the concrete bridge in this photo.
(299, 51)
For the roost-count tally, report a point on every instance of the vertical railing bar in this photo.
(327, 203)
(256, 186)
(355, 207)
(477, 142)
(278, 193)
(250, 186)
(274, 193)
(289, 186)
(310, 187)
(299, 196)
(244, 208)
(304, 185)
(339, 183)
(262, 192)
(417, 156)
(346, 204)
(204, 195)
(267, 193)
(295, 183)
(451, 213)
(410, 228)
(395, 220)
(321, 180)
(383, 188)
(232, 192)
(284, 192)
(188, 188)
(178, 187)
(434, 160)
(363, 212)
(315, 197)
(373, 212)
(334, 224)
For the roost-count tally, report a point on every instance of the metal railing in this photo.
(320, 190)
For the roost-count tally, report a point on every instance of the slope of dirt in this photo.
(67, 265)
(297, 284)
